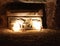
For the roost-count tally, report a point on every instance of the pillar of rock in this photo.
(50, 11)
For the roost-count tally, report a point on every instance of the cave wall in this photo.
(50, 13)
(57, 15)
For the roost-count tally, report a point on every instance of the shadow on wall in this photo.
(57, 15)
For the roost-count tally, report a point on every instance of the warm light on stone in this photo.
(30, 23)
(16, 26)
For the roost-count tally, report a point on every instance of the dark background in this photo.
(57, 14)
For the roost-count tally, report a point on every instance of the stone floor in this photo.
(45, 37)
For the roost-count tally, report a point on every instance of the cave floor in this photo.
(45, 37)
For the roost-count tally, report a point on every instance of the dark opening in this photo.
(31, 7)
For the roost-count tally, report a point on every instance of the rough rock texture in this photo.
(51, 6)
